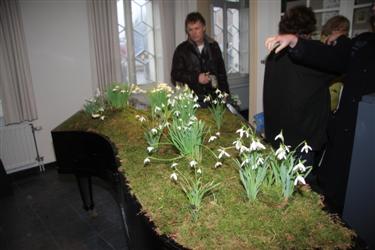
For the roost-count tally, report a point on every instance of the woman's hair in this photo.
(336, 23)
(298, 20)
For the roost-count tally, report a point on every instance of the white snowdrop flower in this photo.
(195, 98)
(242, 132)
(299, 179)
(199, 171)
(256, 145)
(137, 116)
(193, 163)
(147, 160)
(102, 117)
(280, 153)
(157, 109)
(217, 91)
(220, 96)
(169, 95)
(207, 99)
(254, 166)
(217, 134)
(154, 131)
(142, 119)
(179, 127)
(162, 105)
(306, 148)
(214, 101)
(226, 94)
(246, 161)
(193, 118)
(196, 105)
(177, 113)
(166, 125)
(212, 138)
(299, 167)
(190, 123)
(222, 101)
(95, 115)
(218, 164)
(260, 160)
(174, 164)
(101, 109)
(173, 177)
(222, 153)
(244, 149)
(237, 144)
(149, 149)
(280, 136)
(122, 91)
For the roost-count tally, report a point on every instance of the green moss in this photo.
(227, 220)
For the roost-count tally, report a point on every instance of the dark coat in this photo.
(295, 100)
(188, 63)
(358, 65)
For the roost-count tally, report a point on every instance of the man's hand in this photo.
(281, 41)
(204, 78)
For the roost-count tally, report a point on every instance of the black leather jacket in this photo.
(188, 63)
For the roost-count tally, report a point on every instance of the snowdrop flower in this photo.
(154, 131)
(220, 96)
(102, 117)
(242, 132)
(299, 179)
(142, 119)
(281, 153)
(306, 148)
(207, 99)
(95, 115)
(222, 153)
(173, 177)
(247, 160)
(157, 109)
(214, 102)
(217, 134)
(217, 91)
(101, 109)
(212, 138)
(237, 144)
(149, 149)
(122, 91)
(244, 149)
(177, 113)
(299, 167)
(218, 164)
(196, 105)
(226, 94)
(174, 164)
(260, 161)
(255, 145)
(199, 171)
(147, 160)
(280, 136)
(193, 163)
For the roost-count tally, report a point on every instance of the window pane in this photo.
(233, 40)
(218, 26)
(143, 35)
(324, 4)
(363, 1)
(287, 4)
(361, 17)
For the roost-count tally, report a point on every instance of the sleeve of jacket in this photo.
(315, 54)
(179, 71)
(221, 72)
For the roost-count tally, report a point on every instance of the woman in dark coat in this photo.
(358, 65)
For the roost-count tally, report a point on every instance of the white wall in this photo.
(57, 40)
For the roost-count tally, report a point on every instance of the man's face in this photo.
(196, 32)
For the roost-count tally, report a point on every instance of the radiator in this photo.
(18, 149)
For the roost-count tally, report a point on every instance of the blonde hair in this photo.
(336, 23)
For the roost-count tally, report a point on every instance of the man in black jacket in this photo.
(198, 62)
(358, 65)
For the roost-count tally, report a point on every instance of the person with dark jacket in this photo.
(296, 98)
(198, 61)
(358, 65)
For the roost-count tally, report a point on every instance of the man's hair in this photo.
(336, 23)
(194, 17)
(298, 20)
